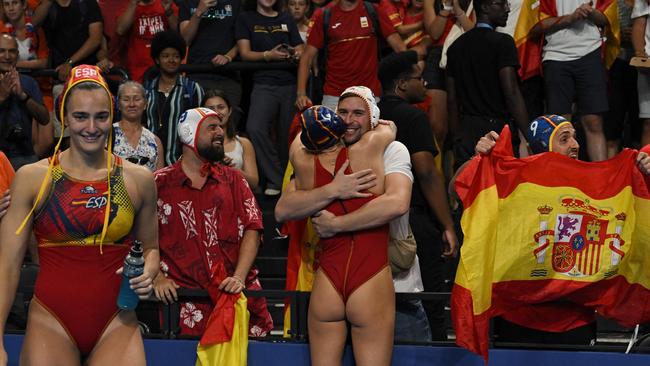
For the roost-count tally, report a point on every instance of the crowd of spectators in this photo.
(466, 61)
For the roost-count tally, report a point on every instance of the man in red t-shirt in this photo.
(352, 44)
(139, 22)
(207, 214)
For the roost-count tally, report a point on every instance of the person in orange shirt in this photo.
(6, 176)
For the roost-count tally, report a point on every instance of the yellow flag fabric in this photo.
(300, 258)
(234, 352)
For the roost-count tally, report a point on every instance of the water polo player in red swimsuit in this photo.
(353, 282)
(86, 213)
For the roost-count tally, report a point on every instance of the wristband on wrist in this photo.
(27, 97)
(69, 61)
(228, 58)
(301, 94)
(266, 56)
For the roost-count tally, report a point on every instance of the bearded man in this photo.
(207, 215)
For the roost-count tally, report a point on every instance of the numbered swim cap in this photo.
(541, 131)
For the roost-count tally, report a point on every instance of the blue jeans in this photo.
(411, 323)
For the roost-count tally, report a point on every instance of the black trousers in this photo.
(429, 241)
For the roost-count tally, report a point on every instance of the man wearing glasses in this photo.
(482, 82)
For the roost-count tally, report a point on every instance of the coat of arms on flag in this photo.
(579, 239)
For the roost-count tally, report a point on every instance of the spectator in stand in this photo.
(132, 141)
(140, 22)
(641, 42)
(407, 17)
(21, 107)
(6, 176)
(239, 151)
(439, 18)
(573, 67)
(430, 218)
(169, 94)
(74, 30)
(299, 10)
(482, 80)
(208, 27)
(226, 228)
(270, 34)
(351, 51)
(32, 45)
(623, 117)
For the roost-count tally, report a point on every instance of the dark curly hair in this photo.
(167, 39)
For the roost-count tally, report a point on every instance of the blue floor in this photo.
(182, 352)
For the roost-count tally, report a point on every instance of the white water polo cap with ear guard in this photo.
(189, 123)
(368, 97)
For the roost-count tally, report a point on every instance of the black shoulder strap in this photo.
(327, 13)
(370, 9)
(322, 54)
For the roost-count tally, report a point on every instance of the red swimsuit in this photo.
(350, 259)
(76, 283)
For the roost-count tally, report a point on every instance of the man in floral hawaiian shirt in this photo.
(207, 214)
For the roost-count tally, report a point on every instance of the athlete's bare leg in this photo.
(326, 321)
(120, 344)
(46, 342)
(371, 312)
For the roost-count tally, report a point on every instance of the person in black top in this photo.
(266, 33)
(482, 81)
(74, 30)
(208, 27)
(402, 84)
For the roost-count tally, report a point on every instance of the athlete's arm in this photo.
(381, 210)
(297, 204)
(12, 245)
(394, 202)
(144, 231)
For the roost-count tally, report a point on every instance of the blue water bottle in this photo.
(133, 267)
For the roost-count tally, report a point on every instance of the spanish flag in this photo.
(530, 49)
(225, 340)
(550, 229)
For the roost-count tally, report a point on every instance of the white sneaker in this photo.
(272, 192)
